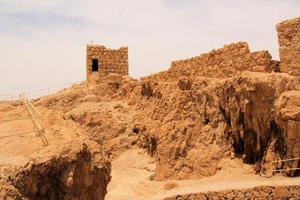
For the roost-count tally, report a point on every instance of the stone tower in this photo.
(101, 61)
(289, 42)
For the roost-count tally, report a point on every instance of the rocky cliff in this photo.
(228, 103)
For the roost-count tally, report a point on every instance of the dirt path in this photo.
(131, 174)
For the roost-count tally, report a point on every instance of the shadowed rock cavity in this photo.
(74, 176)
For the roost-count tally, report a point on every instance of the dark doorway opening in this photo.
(95, 66)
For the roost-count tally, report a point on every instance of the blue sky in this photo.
(42, 43)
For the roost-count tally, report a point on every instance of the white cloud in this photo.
(42, 43)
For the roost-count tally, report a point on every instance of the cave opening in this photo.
(95, 65)
(136, 130)
(238, 146)
(226, 118)
(250, 147)
(280, 145)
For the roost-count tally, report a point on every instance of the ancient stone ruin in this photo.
(289, 42)
(101, 61)
(228, 111)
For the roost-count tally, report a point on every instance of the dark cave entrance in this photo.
(95, 65)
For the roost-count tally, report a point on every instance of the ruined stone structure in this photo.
(224, 62)
(289, 42)
(101, 61)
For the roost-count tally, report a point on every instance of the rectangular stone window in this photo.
(95, 65)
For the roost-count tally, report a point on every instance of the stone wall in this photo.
(289, 42)
(224, 62)
(261, 192)
(109, 60)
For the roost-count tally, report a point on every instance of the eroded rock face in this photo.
(227, 102)
(239, 114)
(288, 37)
(8, 191)
(189, 125)
(72, 176)
(78, 174)
(288, 117)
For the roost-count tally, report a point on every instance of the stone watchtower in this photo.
(101, 61)
(289, 42)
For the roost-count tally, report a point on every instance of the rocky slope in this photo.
(70, 167)
(228, 103)
(190, 124)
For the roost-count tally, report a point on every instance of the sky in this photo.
(43, 42)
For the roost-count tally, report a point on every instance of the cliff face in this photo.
(76, 173)
(228, 103)
(189, 125)
(70, 167)
(198, 126)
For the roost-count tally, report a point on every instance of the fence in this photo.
(35, 117)
(286, 160)
(38, 93)
(8, 97)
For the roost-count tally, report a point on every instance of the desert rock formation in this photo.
(70, 167)
(228, 103)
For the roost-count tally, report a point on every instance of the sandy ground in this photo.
(131, 174)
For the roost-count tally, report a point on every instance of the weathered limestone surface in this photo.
(79, 171)
(109, 60)
(289, 42)
(261, 192)
(224, 62)
(288, 116)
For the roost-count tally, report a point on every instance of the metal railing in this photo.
(8, 97)
(285, 160)
(33, 94)
(50, 90)
(34, 115)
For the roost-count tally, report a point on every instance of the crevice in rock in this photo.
(277, 133)
(151, 148)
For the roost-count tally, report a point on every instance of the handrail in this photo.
(288, 169)
(39, 92)
(16, 134)
(20, 118)
(285, 160)
(30, 103)
(36, 125)
(7, 97)
(34, 114)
